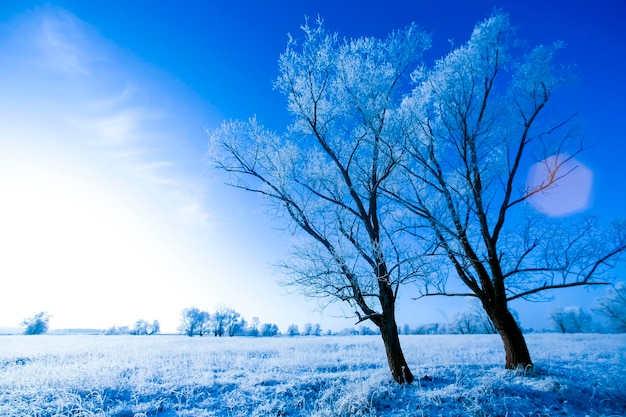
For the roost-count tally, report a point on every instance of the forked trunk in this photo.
(395, 357)
(516, 351)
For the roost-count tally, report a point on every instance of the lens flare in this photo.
(571, 188)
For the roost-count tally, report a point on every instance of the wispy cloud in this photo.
(156, 172)
(92, 96)
(63, 43)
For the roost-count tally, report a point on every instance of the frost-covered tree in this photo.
(253, 328)
(153, 328)
(194, 322)
(326, 172)
(269, 330)
(117, 330)
(473, 320)
(571, 320)
(613, 307)
(225, 320)
(475, 121)
(143, 327)
(312, 329)
(139, 328)
(38, 324)
(292, 330)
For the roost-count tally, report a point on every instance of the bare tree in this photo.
(613, 307)
(194, 322)
(253, 329)
(473, 320)
(226, 321)
(327, 171)
(139, 328)
(474, 126)
(571, 320)
(142, 327)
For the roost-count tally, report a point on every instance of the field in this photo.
(126, 376)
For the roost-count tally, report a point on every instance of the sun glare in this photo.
(67, 240)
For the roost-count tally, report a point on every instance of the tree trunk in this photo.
(395, 357)
(516, 351)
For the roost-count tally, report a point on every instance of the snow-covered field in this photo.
(125, 376)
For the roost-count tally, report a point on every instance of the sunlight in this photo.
(69, 239)
(571, 194)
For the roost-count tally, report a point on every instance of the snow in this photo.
(457, 375)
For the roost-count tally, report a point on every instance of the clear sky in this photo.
(108, 213)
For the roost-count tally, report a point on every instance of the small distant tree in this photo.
(269, 330)
(153, 328)
(473, 320)
(348, 331)
(143, 327)
(613, 307)
(38, 324)
(253, 329)
(366, 331)
(194, 322)
(117, 330)
(292, 330)
(139, 328)
(312, 329)
(571, 320)
(463, 322)
(432, 328)
(226, 321)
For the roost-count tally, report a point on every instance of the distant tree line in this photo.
(611, 307)
(571, 319)
(141, 327)
(223, 322)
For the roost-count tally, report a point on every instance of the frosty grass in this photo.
(126, 376)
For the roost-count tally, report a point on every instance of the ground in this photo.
(457, 375)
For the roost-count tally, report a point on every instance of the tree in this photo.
(117, 330)
(269, 330)
(472, 127)
(38, 324)
(613, 307)
(292, 330)
(326, 172)
(253, 330)
(139, 328)
(571, 320)
(226, 321)
(464, 323)
(473, 320)
(194, 322)
(142, 327)
(153, 328)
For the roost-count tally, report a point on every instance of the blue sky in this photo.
(108, 211)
